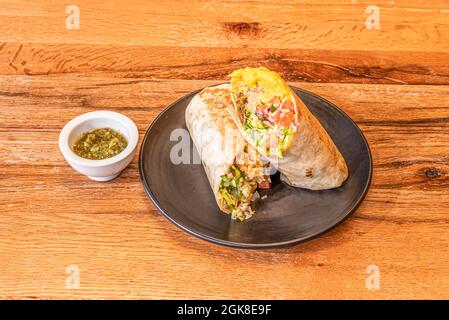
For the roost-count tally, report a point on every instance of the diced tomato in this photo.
(275, 118)
(265, 184)
(274, 112)
(265, 109)
(282, 114)
(275, 101)
(283, 118)
(288, 105)
(286, 119)
(286, 114)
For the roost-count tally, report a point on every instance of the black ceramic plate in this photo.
(288, 215)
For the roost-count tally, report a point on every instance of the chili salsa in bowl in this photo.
(99, 144)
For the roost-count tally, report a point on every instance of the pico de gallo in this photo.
(265, 107)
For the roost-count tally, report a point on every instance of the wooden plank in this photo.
(257, 24)
(149, 62)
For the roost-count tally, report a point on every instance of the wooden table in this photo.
(137, 57)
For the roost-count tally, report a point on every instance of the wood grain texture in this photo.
(139, 57)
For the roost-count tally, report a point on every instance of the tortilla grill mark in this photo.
(218, 95)
(215, 100)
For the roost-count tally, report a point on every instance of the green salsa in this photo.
(98, 144)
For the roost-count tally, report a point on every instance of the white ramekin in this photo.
(99, 170)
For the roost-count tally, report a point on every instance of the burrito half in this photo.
(233, 167)
(280, 126)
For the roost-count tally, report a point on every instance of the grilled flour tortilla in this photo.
(280, 126)
(232, 166)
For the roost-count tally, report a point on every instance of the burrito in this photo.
(234, 169)
(279, 125)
